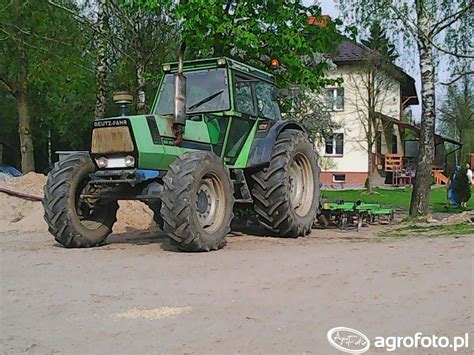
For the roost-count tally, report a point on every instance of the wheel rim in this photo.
(301, 185)
(210, 203)
(88, 211)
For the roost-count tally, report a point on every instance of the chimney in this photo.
(320, 21)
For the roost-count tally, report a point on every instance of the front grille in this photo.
(109, 140)
(155, 133)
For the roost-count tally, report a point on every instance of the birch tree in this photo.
(425, 25)
(143, 40)
(101, 67)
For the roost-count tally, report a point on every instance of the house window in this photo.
(339, 177)
(334, 99)
(335, 144)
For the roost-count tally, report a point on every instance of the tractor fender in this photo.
(262, 146)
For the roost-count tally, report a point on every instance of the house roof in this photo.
(350, 53)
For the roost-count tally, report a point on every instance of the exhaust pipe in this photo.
(179, 98)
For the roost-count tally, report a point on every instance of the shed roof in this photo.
(439, 138)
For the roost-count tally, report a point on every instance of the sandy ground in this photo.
(257, 295)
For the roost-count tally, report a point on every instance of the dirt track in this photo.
(257, 295)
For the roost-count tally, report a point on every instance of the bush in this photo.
(462, 186)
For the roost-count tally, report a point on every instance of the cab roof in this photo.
(220, 62)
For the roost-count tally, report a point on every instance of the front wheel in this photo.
(286, 193)
(76, 220)
(197, 202)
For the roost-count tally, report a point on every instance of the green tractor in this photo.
(214, 137)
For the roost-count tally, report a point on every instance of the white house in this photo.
(345, 156)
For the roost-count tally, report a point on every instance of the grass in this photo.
(397, 198)
(430, 230)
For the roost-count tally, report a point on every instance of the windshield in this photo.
(206, 91)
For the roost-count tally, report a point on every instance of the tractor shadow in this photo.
(249, 226)
(137, 237)
(145, 237)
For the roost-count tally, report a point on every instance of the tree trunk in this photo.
(420, 198)
(140, 73)
(24, 124)
(101, 64)
(370, 145)
(370, 175)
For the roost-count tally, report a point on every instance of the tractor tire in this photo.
(197, 203)
(75, 222)
(286, 192)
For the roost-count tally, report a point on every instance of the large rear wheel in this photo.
(74, 220)
(286, 193)
(198, 201)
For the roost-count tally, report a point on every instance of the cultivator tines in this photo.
(344, 214)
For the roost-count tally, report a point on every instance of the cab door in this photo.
(245, 104)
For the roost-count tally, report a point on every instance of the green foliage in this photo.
(140, 38)
(60, 73)
(379, 41)
(61, 51)
(457, 115)
(310, 111)
(462, 186)
(257, 31)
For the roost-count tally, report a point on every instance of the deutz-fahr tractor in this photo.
(214, 137)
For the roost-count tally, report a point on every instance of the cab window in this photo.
(206, 91)
(244, 101)
(266, 100)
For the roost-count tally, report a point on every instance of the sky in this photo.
(329, 7)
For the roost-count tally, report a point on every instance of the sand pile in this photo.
(17, 214)
(133, 216)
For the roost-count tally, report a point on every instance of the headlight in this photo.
(102, 162)
(129, 161)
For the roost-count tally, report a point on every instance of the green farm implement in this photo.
(344, 214)
(214, 136)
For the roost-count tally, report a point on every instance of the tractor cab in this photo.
(228, 96)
